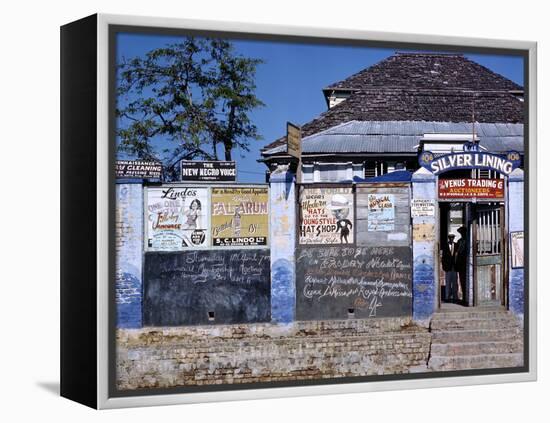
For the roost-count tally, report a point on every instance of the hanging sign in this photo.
(177, 218)
(239, 216)
(470, 159)
(293, 140)
(471, 188)
(205, 171)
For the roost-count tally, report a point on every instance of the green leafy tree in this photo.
(195, 95)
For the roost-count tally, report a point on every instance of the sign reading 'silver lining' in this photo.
(470, 160)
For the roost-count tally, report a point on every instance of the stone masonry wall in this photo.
(201, 355)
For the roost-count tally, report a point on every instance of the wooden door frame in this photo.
(503, 300)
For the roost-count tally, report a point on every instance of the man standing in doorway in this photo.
(448, 262)
(461, 261)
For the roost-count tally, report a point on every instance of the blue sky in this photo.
(291, 78)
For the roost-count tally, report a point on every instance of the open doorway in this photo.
(454, 252)
(472, 252)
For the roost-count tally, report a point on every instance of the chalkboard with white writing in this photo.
(349, 282)
(207, 287)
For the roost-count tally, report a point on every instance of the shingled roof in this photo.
(414, 105)
(420, 87)
(427, 71)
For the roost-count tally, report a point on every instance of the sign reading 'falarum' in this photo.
(470, 160)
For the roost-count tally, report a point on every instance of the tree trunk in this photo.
(228, 146)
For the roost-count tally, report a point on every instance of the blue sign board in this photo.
(470, 158)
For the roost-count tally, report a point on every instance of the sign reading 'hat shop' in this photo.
(326, 216)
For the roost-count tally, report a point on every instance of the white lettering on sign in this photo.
(470, 160)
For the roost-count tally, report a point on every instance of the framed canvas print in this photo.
(255, 211)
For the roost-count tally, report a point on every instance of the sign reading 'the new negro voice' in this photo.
(208, 171)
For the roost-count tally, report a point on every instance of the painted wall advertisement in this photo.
(239, 216)
(471, 188)
(381, 212)
(177, 218)
(326, 216)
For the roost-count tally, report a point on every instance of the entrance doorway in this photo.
(454, 252)
(472, 253)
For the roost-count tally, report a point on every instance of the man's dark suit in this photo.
(461, 263)
(448, 260)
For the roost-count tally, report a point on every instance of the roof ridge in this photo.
(421, 69)
(419, 53)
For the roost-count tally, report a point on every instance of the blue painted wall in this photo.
(283, 243)
(425, 283)
(515, 223)
(129, 254)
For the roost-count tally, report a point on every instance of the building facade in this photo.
(408, 204)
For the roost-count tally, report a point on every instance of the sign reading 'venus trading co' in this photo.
(465, 188)
(208, 171)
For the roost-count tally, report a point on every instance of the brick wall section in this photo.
(129, 247)
(200, 355)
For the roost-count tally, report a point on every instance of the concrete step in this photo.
(474, 323)
(485, 361)
(474, 313)
(476, 335)
(476, 348)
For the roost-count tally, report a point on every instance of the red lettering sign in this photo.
(471, 188)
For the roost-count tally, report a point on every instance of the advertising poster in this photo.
(381, 212)
(326, 216)
(177, 218)
(239, 216)
(517, 249)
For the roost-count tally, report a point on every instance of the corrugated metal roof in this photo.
(403, 136)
